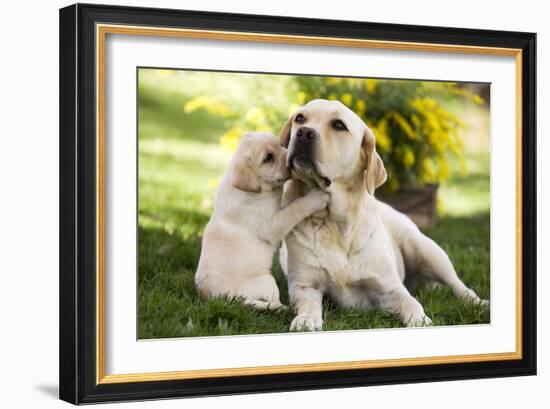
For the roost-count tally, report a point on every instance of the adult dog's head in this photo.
(328, 143)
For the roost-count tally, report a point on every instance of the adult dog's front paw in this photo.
(419, 321)
(471, 297)
(304, 322)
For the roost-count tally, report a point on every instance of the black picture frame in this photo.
(78, 363)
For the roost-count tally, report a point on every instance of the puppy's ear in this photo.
(243, 176)
(375, 172)
(284, 135)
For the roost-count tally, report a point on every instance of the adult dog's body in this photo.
(358, 250)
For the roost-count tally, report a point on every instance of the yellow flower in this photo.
(477, 99)
(428, 170)
(354, 82)
(444, 170)
(208, 104)
(404, 125)
(370, 86)
(408, 156)
(230, 139)
(361, 107)
(383, 140)
(415, 120)
(302, 97)
(423, 105)
(255, 116)
(347, 99)
(334, 80)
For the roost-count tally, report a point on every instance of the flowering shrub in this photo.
(415, 133)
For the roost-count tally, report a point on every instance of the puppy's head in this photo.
(327, 142)
(259, 163)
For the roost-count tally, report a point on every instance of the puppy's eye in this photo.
(268, 158)
(338, 125)
(300, 119)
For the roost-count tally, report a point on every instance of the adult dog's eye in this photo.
(339, 125)
(300, 119)
(268, 158)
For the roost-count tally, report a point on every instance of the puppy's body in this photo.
(247, 224)
(359, 251)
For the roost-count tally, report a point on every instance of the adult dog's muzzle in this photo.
(302, 158)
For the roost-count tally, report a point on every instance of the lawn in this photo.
(180, 162)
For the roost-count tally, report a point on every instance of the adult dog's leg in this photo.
(308, 303)
(432, 262)
(397, 300)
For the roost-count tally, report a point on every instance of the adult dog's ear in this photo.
(243, 176)
(284, 135)
(375, 172)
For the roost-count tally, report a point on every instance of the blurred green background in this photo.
(190, 122)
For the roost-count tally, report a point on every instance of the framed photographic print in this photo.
(257, 203)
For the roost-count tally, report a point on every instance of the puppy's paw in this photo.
(319, 199)
(304, 322)
(419, 321)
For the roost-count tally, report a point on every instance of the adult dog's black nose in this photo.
(306, 133)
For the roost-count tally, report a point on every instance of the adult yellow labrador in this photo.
(359, 250)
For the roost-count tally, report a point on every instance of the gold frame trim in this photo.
(101, 33)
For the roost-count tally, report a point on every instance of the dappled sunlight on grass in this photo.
(177, 182)
(468, 193)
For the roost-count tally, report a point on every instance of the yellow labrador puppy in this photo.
(358, 250)
(248, 223)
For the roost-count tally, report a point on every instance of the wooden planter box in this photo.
(419, 203)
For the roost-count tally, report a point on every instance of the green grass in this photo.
(180, 162)
(169, 305)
